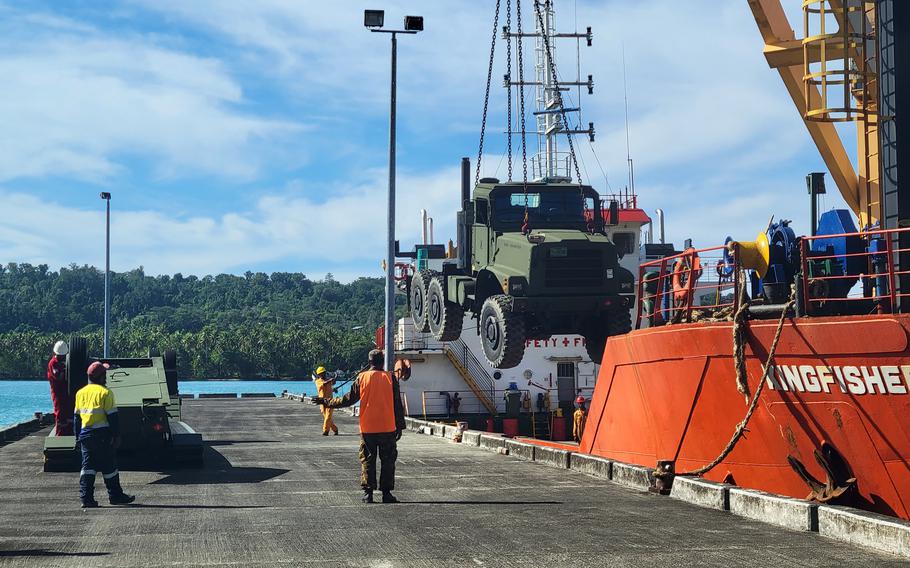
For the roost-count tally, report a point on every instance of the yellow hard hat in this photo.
(320, 370)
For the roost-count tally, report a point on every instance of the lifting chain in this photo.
(486, 97)
(509, 80)
(521, 113)
(558, 92)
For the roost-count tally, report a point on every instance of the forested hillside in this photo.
(255, 325)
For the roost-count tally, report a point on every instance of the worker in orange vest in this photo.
(381, 424)
(324, 388)
(578, 419)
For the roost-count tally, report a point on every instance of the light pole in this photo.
(374, 20)
(107, 275)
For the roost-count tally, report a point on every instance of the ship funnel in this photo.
(423, 226)
(753, 255)
(660, 226)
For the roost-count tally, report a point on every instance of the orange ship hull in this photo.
(669, 393)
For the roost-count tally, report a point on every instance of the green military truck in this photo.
(533, 261)
(148, 402)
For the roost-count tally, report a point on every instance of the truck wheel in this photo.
(502, 333)
(77, 364)
(444, 317)
(615, 322)
(419, 285)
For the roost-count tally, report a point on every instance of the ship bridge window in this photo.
(549, 209)
(625, 242)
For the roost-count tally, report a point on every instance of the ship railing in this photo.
(686, 287)
(626, 199)
(858, 279)
(435, 405)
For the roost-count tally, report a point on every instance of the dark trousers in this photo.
(385, 447)
(98, 455)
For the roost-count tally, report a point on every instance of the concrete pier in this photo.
(275, 492)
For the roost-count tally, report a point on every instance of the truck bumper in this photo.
(587, 304)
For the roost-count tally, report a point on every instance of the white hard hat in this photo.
(61, 348)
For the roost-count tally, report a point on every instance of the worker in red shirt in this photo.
(60, 392)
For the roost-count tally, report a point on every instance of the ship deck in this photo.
(274, 492)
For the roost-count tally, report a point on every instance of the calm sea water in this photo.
(19, 400)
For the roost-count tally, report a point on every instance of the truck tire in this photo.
(444, 317)
(77, 364)
(614, 322)
(170, 371)
(419, 286)
(502, 332)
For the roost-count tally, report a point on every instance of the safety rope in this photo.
(486, 97)
(739, 356)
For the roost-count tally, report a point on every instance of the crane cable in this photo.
(486, 97)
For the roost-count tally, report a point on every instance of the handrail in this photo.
(663, 298)
(476, 374)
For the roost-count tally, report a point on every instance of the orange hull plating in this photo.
(669, 393)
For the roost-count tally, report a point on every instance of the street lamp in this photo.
(107, 275)
(374, 20)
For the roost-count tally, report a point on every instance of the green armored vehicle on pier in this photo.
(149, 405)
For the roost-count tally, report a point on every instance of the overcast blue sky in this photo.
(241, 135)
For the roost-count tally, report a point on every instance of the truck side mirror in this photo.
(614, 213)
(481, 212)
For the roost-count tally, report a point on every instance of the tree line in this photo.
(257, 325)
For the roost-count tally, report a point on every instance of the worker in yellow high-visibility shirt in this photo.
(325, 389)
(97, 427)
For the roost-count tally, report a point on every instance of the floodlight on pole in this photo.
(374, 19)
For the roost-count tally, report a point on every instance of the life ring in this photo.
(403, 369)
(688, 264)
(402, 271)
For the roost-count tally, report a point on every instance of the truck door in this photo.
(480, 236)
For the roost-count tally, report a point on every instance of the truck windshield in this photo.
(547, 209)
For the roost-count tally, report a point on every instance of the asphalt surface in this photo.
(275, 492)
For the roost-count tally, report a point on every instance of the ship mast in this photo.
(550, 164)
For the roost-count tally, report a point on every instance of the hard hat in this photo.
(97, 369)
(580, 400)
(61, 348)
(320, 370)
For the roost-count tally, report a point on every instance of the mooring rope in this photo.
(741, 385)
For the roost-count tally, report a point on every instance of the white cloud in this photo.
(76, 103)
(347, 230)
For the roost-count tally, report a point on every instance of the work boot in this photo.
(387, 497)
(326, 433)
(122, 499)
(367, 496)
(89, 504)
(334, 432)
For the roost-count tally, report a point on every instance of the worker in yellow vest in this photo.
(324, 389)
(97, 427)
(381, 424)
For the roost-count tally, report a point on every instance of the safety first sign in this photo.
(848, 380)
